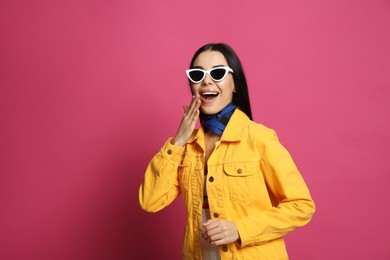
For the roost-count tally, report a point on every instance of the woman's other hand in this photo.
(188, 122)
(220, 232)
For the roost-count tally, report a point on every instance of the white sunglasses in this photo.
(217, 74)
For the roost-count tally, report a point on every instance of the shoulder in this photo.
(260, 131)
(243, 127)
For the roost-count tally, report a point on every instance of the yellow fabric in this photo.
(255, 183)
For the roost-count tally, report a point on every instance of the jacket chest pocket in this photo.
(243, 181)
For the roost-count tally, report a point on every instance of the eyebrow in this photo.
(215, 66)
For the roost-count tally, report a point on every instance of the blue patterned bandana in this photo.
(216, 123)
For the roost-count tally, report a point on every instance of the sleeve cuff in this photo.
(172, 152)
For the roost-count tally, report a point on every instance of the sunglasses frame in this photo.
(227, 70)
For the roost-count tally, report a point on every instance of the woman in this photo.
(242, 191)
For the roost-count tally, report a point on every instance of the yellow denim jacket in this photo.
(251, 180)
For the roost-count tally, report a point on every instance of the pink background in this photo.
(90, 90)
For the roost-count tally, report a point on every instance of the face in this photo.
(214, 96)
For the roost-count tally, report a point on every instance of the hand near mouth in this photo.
(188, 122)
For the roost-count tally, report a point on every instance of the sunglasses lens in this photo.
(218, 73)
(196, 75)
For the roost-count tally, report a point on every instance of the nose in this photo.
(207, 79)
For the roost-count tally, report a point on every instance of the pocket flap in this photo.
(240, 169)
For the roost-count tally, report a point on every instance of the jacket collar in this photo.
(236, 127)
(232, 133)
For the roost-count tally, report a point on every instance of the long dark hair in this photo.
(241, 96)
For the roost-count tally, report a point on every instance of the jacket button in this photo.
(225, 248)
(239, 170)
(169, 152)
(211, 179)
(216, 215)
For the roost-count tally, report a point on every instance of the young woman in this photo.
(241, 188)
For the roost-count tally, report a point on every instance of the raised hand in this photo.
(220, 232)
(188, 122)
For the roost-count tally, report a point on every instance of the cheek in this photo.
(228, 87)
(194, 89)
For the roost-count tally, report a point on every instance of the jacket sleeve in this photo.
(161, 183)
(295, 206)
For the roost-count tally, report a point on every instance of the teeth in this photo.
(209, 93)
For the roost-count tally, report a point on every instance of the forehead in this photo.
(209, 59)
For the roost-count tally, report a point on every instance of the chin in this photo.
(210, 111)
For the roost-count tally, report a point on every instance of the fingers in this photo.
(188, 122)
(212, 231)
(193, 108)
(220, 232)
(191, 114)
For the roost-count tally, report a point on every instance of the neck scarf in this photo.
(217, 123)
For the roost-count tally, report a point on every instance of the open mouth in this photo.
(209, 96)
